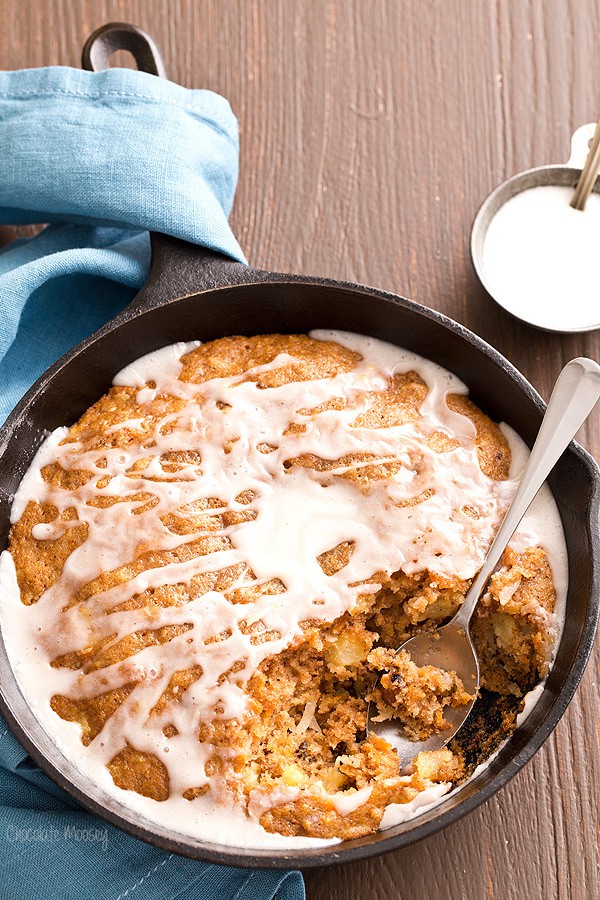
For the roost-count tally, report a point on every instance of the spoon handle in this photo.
(589, 173)
(575, 394)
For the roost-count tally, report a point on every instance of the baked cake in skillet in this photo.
(210, 571)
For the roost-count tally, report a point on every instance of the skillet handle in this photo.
(178, 268)
(107, 39)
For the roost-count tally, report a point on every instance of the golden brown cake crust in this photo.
(236, 355)
(39, 563)
(492, 446)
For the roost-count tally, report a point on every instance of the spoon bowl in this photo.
(451, 648)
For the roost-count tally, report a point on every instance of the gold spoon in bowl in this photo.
(450, 647)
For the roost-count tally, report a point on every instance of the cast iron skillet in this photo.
(194, 294)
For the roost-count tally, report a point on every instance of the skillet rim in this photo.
(380, 842)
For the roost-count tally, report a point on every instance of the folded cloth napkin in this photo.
(104, 157)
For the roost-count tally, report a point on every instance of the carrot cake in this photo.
(209, 574)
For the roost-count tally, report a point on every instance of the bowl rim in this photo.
(48, 756)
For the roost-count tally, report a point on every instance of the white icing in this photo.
(531, 700)
(299, 514)
(346, 802)
(167, 360)
(396, 813)
(28, 488)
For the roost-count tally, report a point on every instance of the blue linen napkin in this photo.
(104, 157)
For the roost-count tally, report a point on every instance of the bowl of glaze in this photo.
(533, 253)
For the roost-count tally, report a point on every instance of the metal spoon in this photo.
(450, 647)
(589, 173)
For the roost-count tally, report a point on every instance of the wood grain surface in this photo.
(370, 133)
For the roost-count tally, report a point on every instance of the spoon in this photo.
(589, 173)
(450, 647)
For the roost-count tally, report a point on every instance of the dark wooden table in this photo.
(370, 133)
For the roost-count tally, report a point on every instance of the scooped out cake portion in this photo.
(414, 695)
(215, 565)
